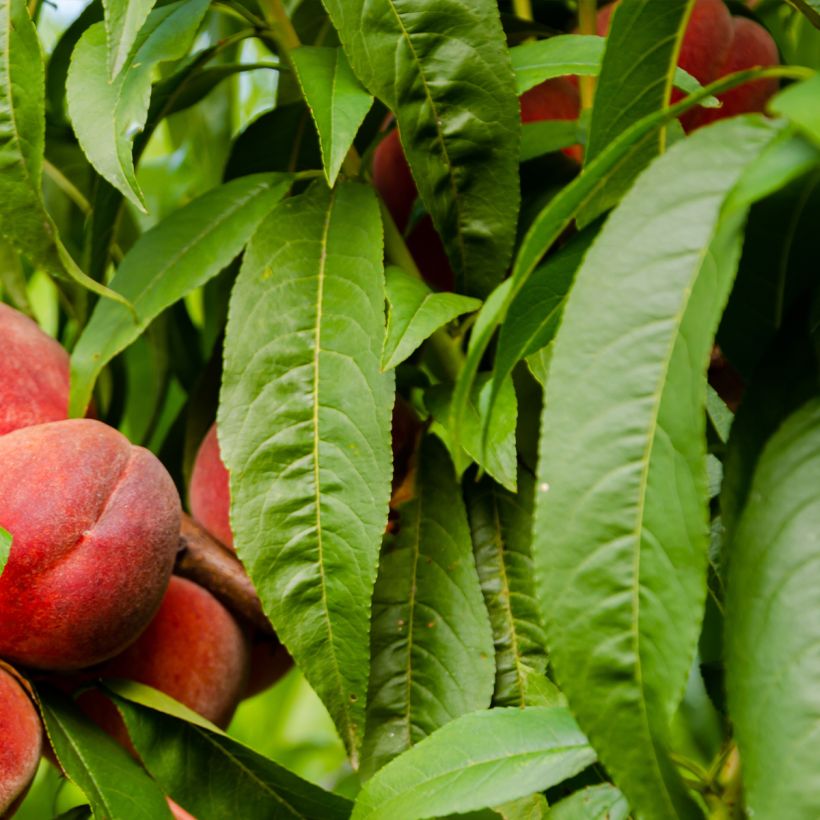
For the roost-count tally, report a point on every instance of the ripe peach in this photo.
(270, 661)
(393, 179)
(95, 526)
(194, 651)
(716, 44)
(752, 46)
(21, 737)
(209, 493)
(33, 373)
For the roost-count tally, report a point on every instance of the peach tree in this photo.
(481, 341)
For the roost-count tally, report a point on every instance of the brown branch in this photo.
(207, 562)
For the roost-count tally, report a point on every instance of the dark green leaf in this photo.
(788, 376)
(478, 761)
(635, 81)
(432, 648)
(337, 101)
(113, 782)
(539, 138)
(443, 67)
(496, 453)
(534, 315)
(123, 21)
(776, 267)
(416, 312)
(574, 55)
(181, 253)
(545, 230)
(602, 802)
(501, 525)
(772, 632)
(108, 114)
(23, 218)
(622, 494)
(811, 8)
(304, 423)
(209, 773)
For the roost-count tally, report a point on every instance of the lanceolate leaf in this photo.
(432, 645)
(501, 524)
(480, 760)
(636, 80)
(181, 253)
(415, 313)
(123, 20)
(304, 426)
(114, 784)
(602, 802)
(799, 103)
(772, 632)
(534, 315)
(811, 8)
(337, 101)
(23, 218)
(107, 114)
(547, 227)
(209, 773)
(443, 67)
(621, 534)
(572, 54)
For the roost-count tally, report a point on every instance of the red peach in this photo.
(95, 526)
(33, 373)
(270, 662)
(21, 737)
(393, 179)
(193, 651)
(752, 46)
(209, 493)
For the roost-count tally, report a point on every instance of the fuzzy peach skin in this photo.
(20, 743)
(95, 525)
(209, 494)
(33, 373)
(193, 650)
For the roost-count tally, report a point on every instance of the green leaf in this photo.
(546, 136)
(548, 226)
(181, 253)
(112, 781)
(432, 648)
(207, 772)
(107, 114)
(574, 55)
(416, 312)
(442, 66)
(602, 802)
(5, 548)
(788, 376)
(501, 525)
(496, 453)
(304, 424)
(534, 316)
(23, 217)
(811, 8)
(478, 761)
(635, 81)
(799, 103)
(772, 632)
(621, 502)
(337, 101)
(123, 21)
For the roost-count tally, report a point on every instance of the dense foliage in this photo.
(485, 334)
